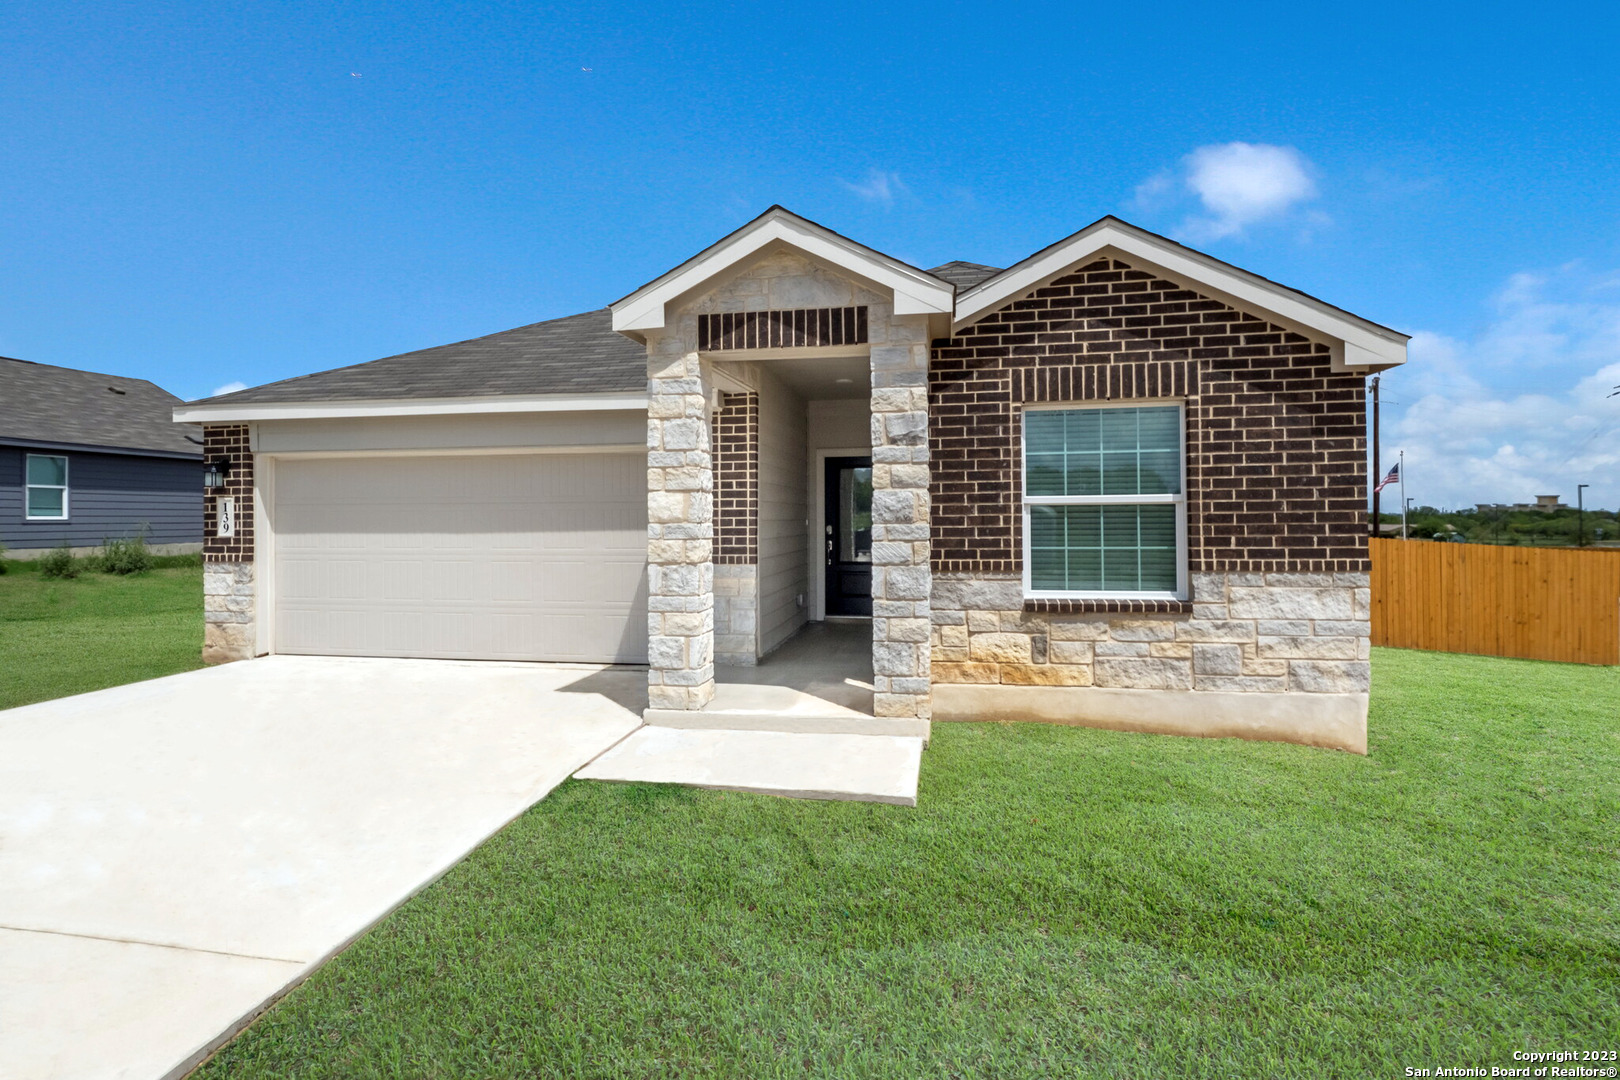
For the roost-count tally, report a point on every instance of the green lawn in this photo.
(1062, 903)
(97, 630)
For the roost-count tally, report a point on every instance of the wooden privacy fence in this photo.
(1538, 603)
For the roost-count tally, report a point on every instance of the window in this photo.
(47, 494)
(1105, 504)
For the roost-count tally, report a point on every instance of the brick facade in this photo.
(735, 438)
(1275, 466)
(1276, 446)
(229, 441)
(229, 591)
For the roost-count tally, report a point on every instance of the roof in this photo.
(41, 403)
(582, 355)
(964, 275)
(576, 354)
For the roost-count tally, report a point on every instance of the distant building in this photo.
(1546, 504)
(86, 456)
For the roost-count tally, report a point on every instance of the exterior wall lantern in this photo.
(214, 472)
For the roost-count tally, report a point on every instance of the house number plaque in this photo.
(226, 506)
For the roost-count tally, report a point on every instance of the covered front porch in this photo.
(787, 367)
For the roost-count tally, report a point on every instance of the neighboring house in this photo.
(85, 457)
(1120, 483)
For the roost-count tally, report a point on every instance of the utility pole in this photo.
(1580, 511)
(1376, 475)
(1406, 504)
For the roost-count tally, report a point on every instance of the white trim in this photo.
(818, 526)
(264, 554)
(65, 487)
(463, 451)
(224, 412)
(1360, 343)
(915, 292)
(1178, 500)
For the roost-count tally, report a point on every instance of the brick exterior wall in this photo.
(1276, 495)
(735, 437)
(229, 604)
(230, 441)
(1276, 446)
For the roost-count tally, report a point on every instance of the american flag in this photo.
(1393, 477)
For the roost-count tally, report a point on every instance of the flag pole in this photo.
(1403, 494)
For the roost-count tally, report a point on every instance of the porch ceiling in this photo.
(824, 378)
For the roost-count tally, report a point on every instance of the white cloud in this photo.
(879, 187)
(1236, 185)
(228, 388)
(1522, 408)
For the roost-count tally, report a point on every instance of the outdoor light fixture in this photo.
(214, 472)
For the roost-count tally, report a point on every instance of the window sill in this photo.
(1077, 606)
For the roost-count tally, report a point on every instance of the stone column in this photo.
(901, 579)
(680, 527)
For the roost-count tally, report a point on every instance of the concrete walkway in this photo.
(862, 768)
(175, 853)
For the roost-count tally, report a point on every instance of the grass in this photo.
(1062, 902)
(60, 637)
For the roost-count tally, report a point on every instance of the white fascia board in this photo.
(1363, 344)
(915, 293)
(318, 410)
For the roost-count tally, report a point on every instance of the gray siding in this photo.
(108, 495)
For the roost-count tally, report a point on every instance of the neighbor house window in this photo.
(47, 493)
(1105, 503)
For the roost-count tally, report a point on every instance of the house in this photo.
(86, 456)
(1119, 483)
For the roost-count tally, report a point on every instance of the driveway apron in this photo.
(175, 853)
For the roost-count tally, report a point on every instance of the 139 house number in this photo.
(225, 507)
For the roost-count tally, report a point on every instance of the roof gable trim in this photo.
(916, 292)
(1358, 343)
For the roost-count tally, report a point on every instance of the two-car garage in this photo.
(537, 555)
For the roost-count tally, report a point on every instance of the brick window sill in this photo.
(1102, 604)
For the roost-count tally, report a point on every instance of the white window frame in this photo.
(1178, 500)
(64, 487)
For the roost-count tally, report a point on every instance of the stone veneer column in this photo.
(680, 526)
(901, 578)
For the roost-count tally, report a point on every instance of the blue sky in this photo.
(208, 194)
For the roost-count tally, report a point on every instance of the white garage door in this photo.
(520, 557)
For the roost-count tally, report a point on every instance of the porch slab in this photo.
(861, 768)
(819, 682)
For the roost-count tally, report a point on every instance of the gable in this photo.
(775, 233)
(1356, 343)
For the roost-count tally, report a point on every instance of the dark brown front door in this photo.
(848, 538)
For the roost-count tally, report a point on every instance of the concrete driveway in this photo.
(175, 853)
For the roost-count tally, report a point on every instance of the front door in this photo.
(848, 536)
